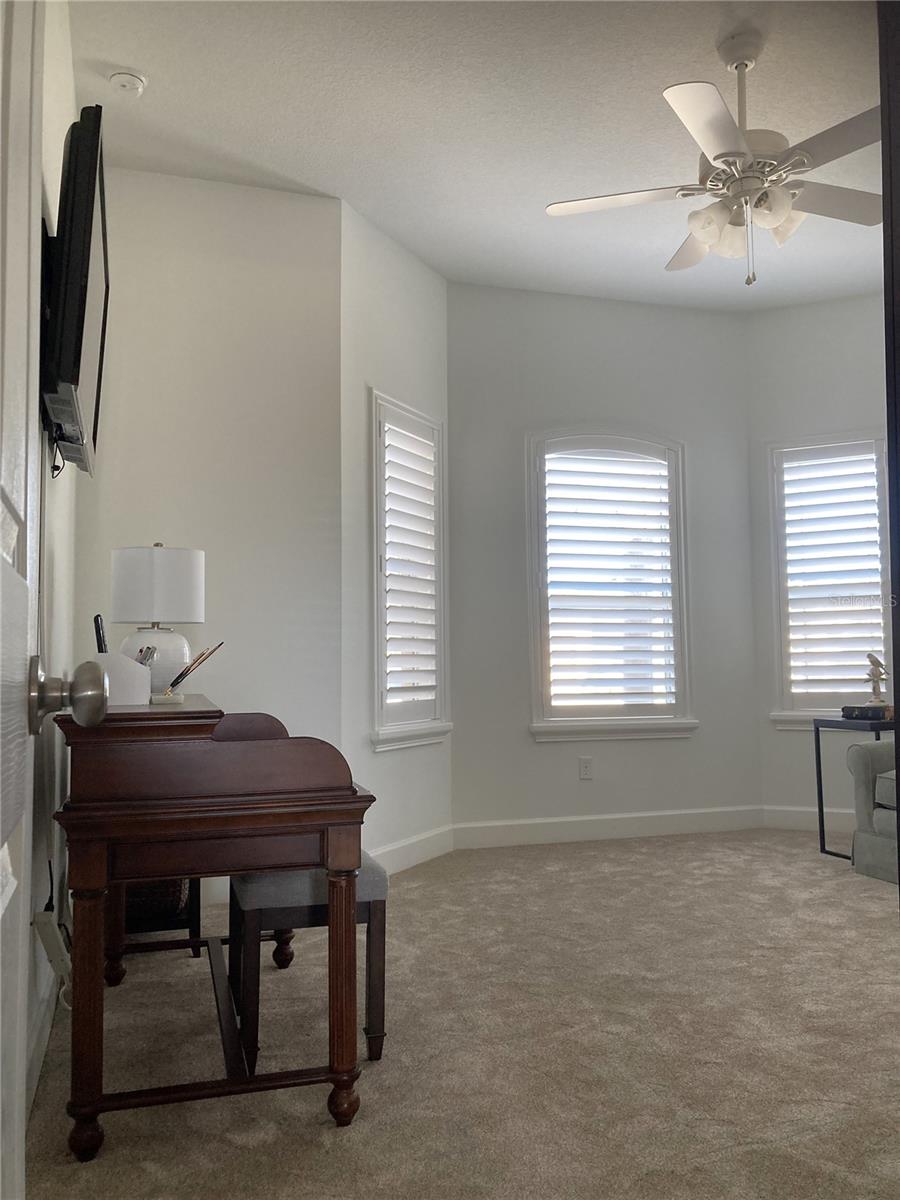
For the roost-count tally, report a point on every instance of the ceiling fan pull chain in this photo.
(751, 256)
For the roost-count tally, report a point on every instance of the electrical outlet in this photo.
(585, 768)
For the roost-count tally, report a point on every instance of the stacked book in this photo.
(868, 712)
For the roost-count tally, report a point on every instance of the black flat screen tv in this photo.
(76, 298)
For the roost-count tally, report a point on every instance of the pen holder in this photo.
(129, 682)
(163, 698)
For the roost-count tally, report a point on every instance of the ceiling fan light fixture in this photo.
(788, 227)
(771, 206)
(733, 242)
(706, 224)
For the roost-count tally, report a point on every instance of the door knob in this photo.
(86, 694)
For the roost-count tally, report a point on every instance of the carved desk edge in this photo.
(196, 717)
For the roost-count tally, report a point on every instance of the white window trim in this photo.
(544, 726)
(785, 715)
(397, 735)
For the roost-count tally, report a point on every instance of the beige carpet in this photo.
(659, 1019)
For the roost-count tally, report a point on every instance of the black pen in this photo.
(100, 635)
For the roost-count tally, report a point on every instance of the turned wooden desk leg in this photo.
(86, 1136)
(283, 955)
(114, 971)
(342, 1061)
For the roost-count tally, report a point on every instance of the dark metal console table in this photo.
(820, 723)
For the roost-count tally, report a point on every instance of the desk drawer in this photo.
(214, 856)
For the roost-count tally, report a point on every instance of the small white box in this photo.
(129, 682)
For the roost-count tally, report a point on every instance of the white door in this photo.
(21, 38)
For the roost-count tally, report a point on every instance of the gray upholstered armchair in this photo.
(875, 784)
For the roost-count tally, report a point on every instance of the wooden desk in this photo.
(156, 793)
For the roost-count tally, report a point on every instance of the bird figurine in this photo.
(875, 674)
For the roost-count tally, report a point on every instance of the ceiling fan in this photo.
(750, 174)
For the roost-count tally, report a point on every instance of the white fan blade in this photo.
(843, 204)
(565, 208)
(705, 115)
(862, 130)
(689, 254)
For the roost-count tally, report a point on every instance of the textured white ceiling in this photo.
(451, 125)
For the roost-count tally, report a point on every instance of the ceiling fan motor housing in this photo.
(768, 148)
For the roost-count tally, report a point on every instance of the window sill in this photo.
(801, 718)
(418, 733)
(597, 729)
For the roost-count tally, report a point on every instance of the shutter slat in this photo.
(581, 464)
(399, 438)
(397, 459)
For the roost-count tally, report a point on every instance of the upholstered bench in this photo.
(287, 900)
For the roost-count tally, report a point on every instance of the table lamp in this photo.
(154, 587)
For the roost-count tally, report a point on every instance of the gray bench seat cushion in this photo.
(885, 822)
(886, 789)
(302, 889)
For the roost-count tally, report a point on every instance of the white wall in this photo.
(819, 372)
(247, 327)
(525, 362)
(220, 429)
(394, 339)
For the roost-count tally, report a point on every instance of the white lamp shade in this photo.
(157, 583)
(771, 207)
(733, 242)
(706, 224)
(788, 227)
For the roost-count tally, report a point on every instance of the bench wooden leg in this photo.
(114, 971)
(250, 988)
(194, 914)
(283, 955)
(235, 947)
(375, 949)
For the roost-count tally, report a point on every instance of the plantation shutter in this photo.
(611, 637)
(831, 570)
(409, 575)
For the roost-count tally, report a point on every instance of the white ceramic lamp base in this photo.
(173, 653)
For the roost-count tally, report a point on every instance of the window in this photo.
(410, 702)
(830, 515)
(607, 549)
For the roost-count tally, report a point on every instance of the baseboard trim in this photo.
(475, 835)
(38, 1038)
(805, 817)
(533, 831)
(409, 852)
